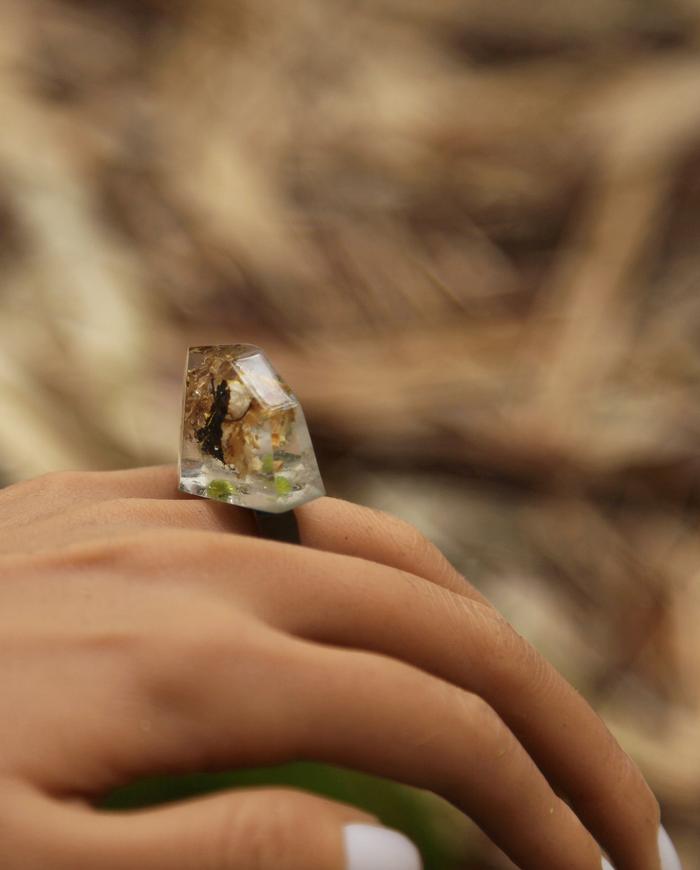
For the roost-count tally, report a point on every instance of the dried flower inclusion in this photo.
(244, 437)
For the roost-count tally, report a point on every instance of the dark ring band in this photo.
(278, 527)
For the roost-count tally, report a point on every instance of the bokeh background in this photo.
(468, 232)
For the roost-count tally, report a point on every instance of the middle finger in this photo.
(351, 602)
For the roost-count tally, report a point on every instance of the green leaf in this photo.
(405, 809)
(282, 485)
(221, 489)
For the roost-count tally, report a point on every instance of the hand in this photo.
(141, 632)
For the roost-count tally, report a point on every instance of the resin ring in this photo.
(244, 438)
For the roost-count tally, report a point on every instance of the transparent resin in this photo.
(244, 437)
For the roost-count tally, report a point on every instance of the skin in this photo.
(144, 632)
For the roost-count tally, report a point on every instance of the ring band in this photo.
(244, 438)
(279, 527)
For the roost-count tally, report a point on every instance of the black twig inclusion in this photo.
(209, 436)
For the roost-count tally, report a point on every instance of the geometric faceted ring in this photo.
(244, 437)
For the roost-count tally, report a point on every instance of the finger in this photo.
(387, 718)
(337, 526)
(350, 529)
(330, 524)
(260, 829)
(352, 603)
(326, 524)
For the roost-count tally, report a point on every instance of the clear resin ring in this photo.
(244, 437)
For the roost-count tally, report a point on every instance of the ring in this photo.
(244, 438)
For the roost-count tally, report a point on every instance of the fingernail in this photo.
(669, 856)
(370, 847)
(667, 851)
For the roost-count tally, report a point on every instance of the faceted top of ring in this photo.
(244, 436)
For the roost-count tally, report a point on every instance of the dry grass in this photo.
(466, 231)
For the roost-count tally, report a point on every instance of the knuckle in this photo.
(264, 829)
(162, 665)
(137, 555)
(407, 538)
(632, 782)
(652, 808)
(152, 551)
(523, 655)
(202, 648)
(415, 552)
(623, 784)
(493, 742)
(404, 537)
(509, 656)
(455, 613)
(482, 717)
(103, 554)
(71, 559)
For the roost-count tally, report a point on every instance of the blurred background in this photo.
(467, 232)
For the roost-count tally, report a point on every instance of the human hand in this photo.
(142, 632)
